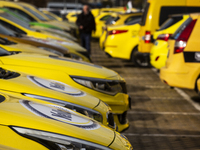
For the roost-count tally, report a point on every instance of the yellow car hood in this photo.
(69, 66)
(19, 47)
(52, 118)
(25, 84)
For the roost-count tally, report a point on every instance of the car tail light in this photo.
(147, 37)
(112, 32)
(164, 37)
(157, 58)
(181, 42)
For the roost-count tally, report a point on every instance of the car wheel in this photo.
(139, 61)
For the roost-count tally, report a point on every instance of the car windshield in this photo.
(4, 52)
(35, 13)
(6, 31)
(49, 16)
(15, 14)
(16, 20)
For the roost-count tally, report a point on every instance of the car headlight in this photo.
(110, 87)
(80, 109)
(52, 51)
(76, 57)
(58, 141)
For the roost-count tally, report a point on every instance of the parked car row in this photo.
(165, 35)
(51, 96)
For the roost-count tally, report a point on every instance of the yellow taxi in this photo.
(96, 80)
(156, 12)
(122, 40)
(31, 13)
(41, 125)
(66, 26)
(159, 51)
(182, 66)
(95, 12)
(100, 22)
(120, 19)
(32, 87)
(21, 27)
(72, 16)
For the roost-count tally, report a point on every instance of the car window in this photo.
(31, 19)
(144, 16)
(169, 22)
(104, 18)
(110, 20)
(129, 19)
(16, 20)
(135, 21)
(4, 52)
(180, 29)
(6, 31)
(49, 16)
(11, 27)
(169, 10)
(35, 13)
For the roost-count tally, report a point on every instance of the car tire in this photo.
(138, 61)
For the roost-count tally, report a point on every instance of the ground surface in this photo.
(161, 118)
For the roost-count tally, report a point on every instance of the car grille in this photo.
(123, 118)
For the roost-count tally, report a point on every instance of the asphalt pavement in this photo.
(161, 118)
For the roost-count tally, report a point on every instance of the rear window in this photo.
(104, 18)
(169, 22)
(166, 11)
(135, 21)
(110, 20)
(180, 29)
(129, 19)
(144, 16)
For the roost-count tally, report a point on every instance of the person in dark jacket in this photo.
(86, 25)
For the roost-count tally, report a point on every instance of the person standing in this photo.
(86, 24)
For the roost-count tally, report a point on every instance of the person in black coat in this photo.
(86, 24)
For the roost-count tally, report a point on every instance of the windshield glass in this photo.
(35, 13)
(16, 20)
(6, 31)
(50, 17)
(4, 52)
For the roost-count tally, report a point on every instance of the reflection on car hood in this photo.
(69, 66)
(52, 118)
